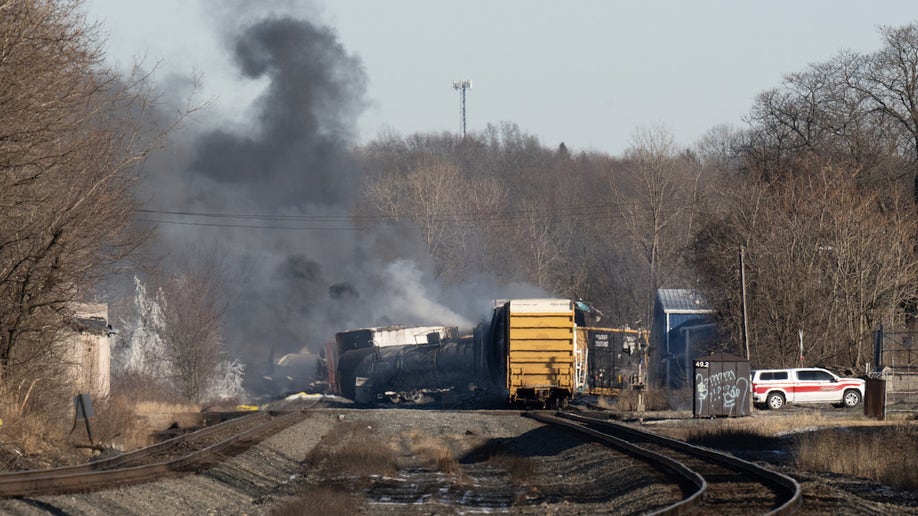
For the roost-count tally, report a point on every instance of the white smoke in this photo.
(140, 349)
(411, 299)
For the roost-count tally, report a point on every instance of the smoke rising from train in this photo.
(288, 155)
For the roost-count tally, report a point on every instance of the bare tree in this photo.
(539, 244)
(888, 80)
(871, 268)
(657, 198)
(817, 113)
(843, 133)
(822, 256)
(193, 308)
(445, 206)
(68, 142)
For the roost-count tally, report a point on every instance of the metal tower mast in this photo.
(461, 86)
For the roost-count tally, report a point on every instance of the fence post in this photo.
(875, 397)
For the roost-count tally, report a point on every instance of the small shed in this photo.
(722, 386)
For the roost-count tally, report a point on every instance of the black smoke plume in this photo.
(272, 195)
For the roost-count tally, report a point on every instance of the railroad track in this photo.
(711, 481)
(182, 454)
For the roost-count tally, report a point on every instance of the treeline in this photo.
(607, 230)
(818, 193)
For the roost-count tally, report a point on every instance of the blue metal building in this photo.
(682, 328)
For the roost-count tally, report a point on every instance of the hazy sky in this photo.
(588, 73)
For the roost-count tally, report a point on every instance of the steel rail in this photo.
(668, 465)
(785, 484)
(88, 477)
(133, 456)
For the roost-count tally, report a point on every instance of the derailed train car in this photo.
(615, 359)
(533, 342)
(551, 352)
(401, 364)
(531, 352)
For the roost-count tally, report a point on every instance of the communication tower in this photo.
(461, 86)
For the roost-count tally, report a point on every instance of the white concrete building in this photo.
(88, 350)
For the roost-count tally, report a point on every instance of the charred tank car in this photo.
(407, 364)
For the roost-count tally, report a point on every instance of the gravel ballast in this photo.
(563, 474)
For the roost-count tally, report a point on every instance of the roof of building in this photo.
(92, 325)
(682, 300)
(721, 357)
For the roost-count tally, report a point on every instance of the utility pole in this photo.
(461, 86)
(745, 321)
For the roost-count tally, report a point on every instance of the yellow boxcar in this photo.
(540, 350)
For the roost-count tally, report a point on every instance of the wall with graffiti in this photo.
(722, 386)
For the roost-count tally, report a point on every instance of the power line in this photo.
(361, 221)
(594, 209)
(247, 215)
(249, 226)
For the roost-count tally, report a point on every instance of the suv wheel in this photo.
(851, 399)
(774, 401)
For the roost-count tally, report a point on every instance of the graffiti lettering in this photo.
(720, 389)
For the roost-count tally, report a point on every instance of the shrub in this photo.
(361, 455)
(328, 500)
(431, 452)
(654, 399)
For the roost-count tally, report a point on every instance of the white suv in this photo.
(772, 388)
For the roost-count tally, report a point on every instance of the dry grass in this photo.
(362, 455)
(654, 399)
(497, 455)
(776, 426)
(887, 454)
(327, 500)
(886, 451)
(150, 396)
(129, 419)
(39, 435)
(716, 431)
(351, 455)
(141, 408)
(348, 457)
(124, 422)
(37, 418)
(429, 452)
(39, 428)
